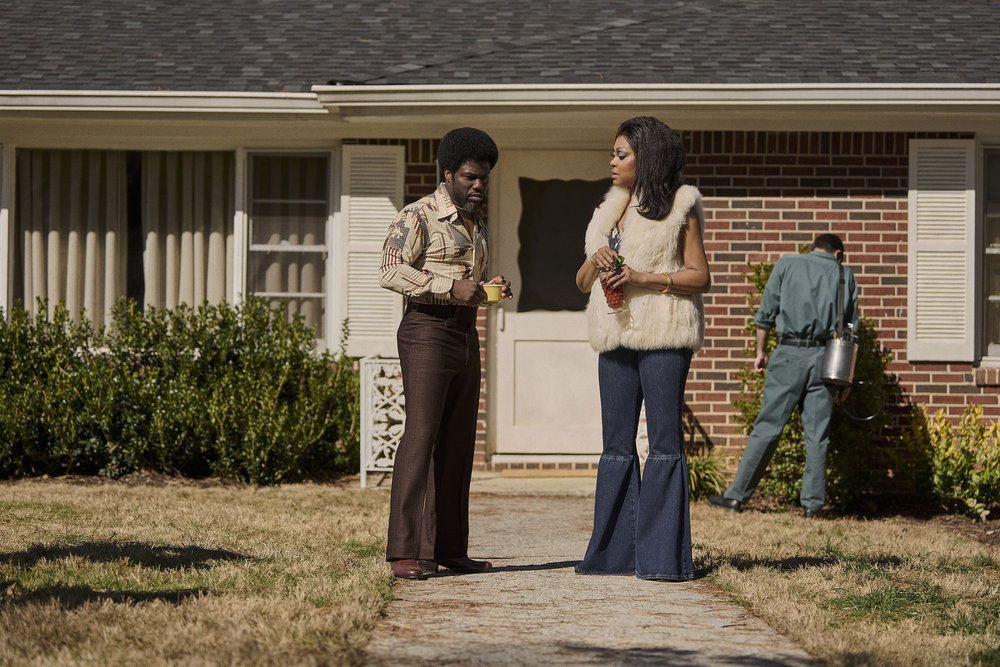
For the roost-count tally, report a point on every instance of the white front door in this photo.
(542, 371)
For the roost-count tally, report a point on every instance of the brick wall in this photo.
(765, 194)
(768, 192)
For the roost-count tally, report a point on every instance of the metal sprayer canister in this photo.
(838, 362)
(842, 348)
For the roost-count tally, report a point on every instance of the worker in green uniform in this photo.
(800, 299)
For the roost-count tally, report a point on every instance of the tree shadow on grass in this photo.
(163, 557)
(160, 557)
(72, 597)
(705, 565)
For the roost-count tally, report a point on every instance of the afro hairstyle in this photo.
(465, 143)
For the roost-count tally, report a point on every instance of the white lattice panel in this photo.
(381, 414)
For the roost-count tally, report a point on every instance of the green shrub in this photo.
(44, 367)
(704, 476)
(857, 460)
(961, 466)
(227, 390)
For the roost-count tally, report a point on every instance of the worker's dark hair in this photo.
(829, 243)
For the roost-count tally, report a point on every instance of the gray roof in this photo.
(290, 45)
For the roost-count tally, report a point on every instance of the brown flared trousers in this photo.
(429, 503)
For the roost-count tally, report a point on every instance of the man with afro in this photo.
(435, 255)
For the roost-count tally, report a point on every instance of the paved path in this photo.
(532, 609)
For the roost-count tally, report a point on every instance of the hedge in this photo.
(219, 390)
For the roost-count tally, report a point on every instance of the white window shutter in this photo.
(942, 252)
(371, 195)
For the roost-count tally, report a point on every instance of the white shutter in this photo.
(371, 195)
(942, 262)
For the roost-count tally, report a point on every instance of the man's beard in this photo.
(465, 204)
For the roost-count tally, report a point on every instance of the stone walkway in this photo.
(532, 609)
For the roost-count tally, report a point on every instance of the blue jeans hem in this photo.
(665, 577)
(606, 573)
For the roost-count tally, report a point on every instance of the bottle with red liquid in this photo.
(615, 296)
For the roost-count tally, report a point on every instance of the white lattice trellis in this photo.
(381, 415)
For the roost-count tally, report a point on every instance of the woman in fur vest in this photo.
(655, 222)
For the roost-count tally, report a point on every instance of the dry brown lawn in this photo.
(189, 574)
(892, 591)
(169, 572)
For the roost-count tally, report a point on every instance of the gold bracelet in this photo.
(596, 265)
(670, 284)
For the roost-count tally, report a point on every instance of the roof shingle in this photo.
(278, 45)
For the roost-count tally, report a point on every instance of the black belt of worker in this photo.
(801, 342)
(445, 312)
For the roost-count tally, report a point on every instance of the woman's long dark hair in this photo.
(659, 161)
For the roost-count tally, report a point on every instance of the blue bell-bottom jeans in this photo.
(642, 526)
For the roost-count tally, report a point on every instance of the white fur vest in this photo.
(652, 320)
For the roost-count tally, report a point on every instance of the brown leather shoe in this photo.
(407, 568)
(428, 566)
(464, 565)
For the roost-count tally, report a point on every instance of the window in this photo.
(551, 245)
(187, 227)
(69, 224)
(92, 226)
(287, 252)
(991, 260)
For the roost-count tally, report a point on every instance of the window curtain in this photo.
(187, 213)
(70, 217)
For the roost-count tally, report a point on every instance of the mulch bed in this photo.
(141, 479)
(158, 479)
(987, 532)
(905, 508)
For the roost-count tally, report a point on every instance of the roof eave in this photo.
(370, 98)
(336, 101)
(160, 102)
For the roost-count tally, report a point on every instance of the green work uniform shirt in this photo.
(800, 297)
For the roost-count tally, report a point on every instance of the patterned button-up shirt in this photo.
(427, 248)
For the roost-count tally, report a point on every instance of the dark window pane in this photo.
(554, 217)
(289, 177)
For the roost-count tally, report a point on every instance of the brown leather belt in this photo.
(465, 314)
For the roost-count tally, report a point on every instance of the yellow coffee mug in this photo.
(494, 293)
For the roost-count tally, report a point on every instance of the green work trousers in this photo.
(794, 377)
